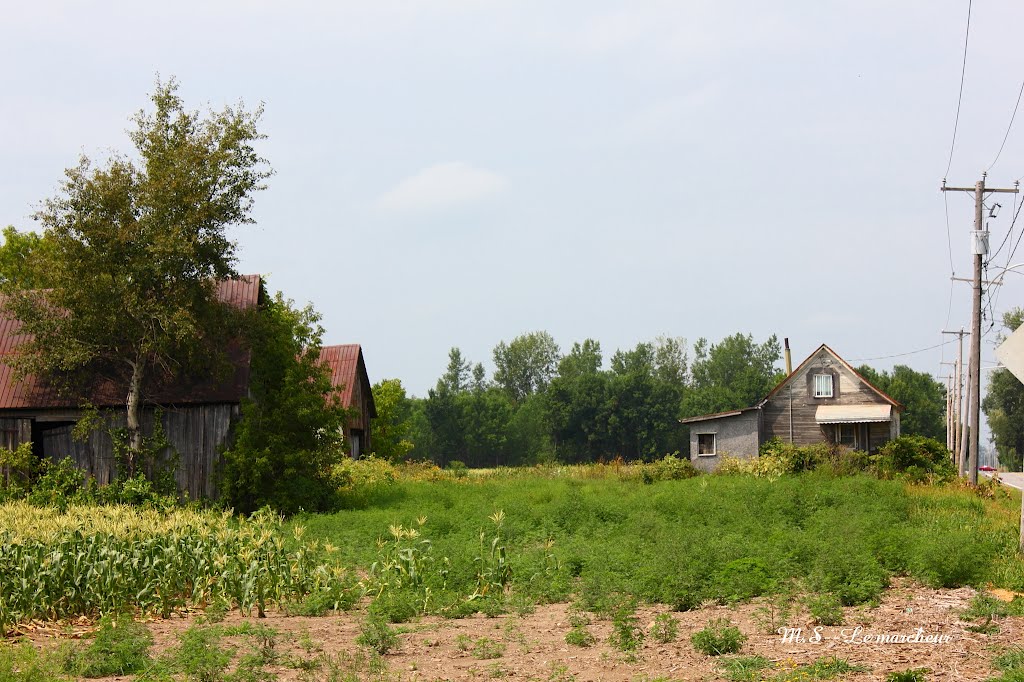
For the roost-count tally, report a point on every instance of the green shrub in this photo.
(778, 457)
(200, 654)
(719, 637)
(627, 635)
(665, 628)
(826, 609)
(339, 595)
(21, 467)
(59, 484)
(915, 457)
(743, 579)
(580, 636)
(854, 576)
(360, 483)
(486, 648)
(377, 635)
(668, 468)
(458, 469)
(397, 606)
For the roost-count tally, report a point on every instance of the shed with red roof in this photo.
(348, 375)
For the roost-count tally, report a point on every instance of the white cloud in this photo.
(440, 187)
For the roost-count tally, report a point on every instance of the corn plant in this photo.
(99, 560)
(493, 569)
(404, 560)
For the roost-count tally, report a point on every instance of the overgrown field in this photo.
(423, 541)
(541, 535)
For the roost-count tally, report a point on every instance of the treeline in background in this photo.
(542, 405)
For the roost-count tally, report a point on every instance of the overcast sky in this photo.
(456, 173)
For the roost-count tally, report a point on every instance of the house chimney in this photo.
(789, 359)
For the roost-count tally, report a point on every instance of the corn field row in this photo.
(95, 560)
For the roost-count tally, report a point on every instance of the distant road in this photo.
(1014, 479)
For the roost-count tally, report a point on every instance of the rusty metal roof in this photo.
(34, 393)
(347, 368)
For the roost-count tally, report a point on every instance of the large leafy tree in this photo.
(525, 365)
(1004, 407)
(390, 431)
(18, 256)
(134, 247)
(922, 396)
(734, 373)
(576, 404)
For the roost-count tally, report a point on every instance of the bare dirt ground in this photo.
(533, 646)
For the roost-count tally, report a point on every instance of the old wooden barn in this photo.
(196, 417)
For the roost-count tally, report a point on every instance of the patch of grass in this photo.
(744, 668)
(560, 673)
(377, 635)
(821, 669)
(23, 663)
(580, 636)
(1011, 664)
(719, 637)
(486, 648)
(344, 666)
(582, 528)
(988, 606)
(119, 647)
(909, 675)
(340, 595)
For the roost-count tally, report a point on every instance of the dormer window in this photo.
(823, 386)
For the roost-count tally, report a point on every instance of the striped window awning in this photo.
(853, 414)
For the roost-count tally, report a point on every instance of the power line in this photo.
(1015, 215)
(949, 239)
(900, 355)
(1015, 106)
(959, 99)
(993, 299)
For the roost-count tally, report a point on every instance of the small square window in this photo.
(822, 385)
(706, 444)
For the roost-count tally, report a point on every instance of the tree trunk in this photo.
(134, 417)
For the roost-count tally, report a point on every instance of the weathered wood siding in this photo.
(790, 414)
(196, 434)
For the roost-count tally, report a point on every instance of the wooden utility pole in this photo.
(958, 395)
(965, 424)
(979, 247)
(950, 428)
